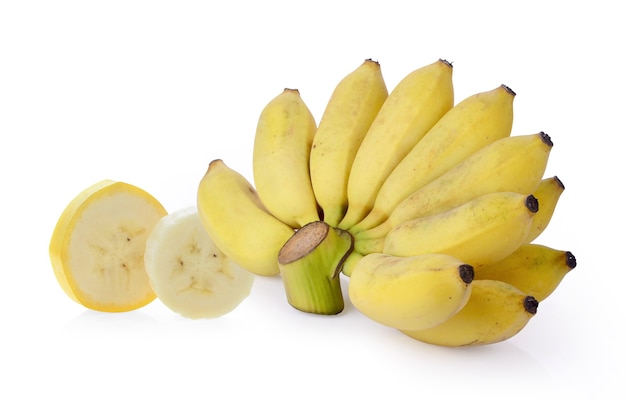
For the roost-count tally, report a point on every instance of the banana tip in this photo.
(531, 304)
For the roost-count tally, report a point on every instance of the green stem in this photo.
(310, 264)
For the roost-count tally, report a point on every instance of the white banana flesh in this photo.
(189, 273)
(98, 244)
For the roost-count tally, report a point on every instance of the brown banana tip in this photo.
(546, 138)
(531, 304)
(466, 272)
(559, 182)
(532, 203)
(570, 260)
(508, 89)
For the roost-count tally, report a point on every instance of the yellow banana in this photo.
(410, 110)
(511, 164)
(410, 292)
(238, 222)
(469, 126)
(351, 260)
(348, 115)
(535, 269)
(482, 231)
(495, 311)
(547, 193)
(280, 162)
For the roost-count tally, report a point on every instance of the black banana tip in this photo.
(532, 203)
(559, 182)
(466, 272)
(446, 62)
(508, 89)
(570, 260)
(546, 138)
(531, 304)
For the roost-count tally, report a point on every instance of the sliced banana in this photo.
(189, 273)
(98, 244)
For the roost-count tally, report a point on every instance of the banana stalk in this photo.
(310, 265)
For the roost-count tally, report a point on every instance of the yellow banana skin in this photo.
(548, 194)
(482, 231)
(351, 261)
(280, 160)
(238, 222)
(511, 164)
(417, 102)
(535, 269)
(495, 311)
(410, 292)
(352, 107)
(469, 126)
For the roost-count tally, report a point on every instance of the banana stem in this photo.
(310, 264)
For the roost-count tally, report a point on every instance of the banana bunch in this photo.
(428, 208)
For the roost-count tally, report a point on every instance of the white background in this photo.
(148, 92)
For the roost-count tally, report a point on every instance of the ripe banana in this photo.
(410, 292)
(469, 126)
(237, 220)
(98, 244)
(482, 231)
(535, 269)
(511, 164)
(547, 193)
(280, 160)
(410, 110)
(188, 272)
(495, 311)
(349, 113)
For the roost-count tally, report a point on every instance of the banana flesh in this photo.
(188, 272)
(98, 244)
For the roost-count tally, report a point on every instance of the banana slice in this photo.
(189, 273)
(98, 244)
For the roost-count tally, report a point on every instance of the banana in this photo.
(237, 220)
(348, 115)
(482, 231)
(280, 160)
(533, 268)
(495, 311)
(350, 262)
(97, 246)
(511, 164)
(547, 193)
(469, 126)
(410, 292)
(188, 272)
(411, 109)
